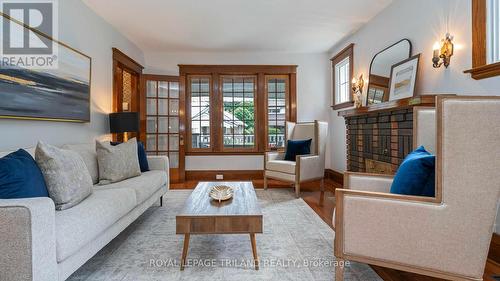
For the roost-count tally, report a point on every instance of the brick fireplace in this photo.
(380, 136)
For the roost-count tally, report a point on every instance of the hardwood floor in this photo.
(313, 197)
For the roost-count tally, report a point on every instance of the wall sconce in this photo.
(357, 89)
(442, 52)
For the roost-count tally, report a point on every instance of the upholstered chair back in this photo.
(468, 157)
(317, 131)
(424, 124)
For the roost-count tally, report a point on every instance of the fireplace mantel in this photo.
(425, 100)
(380, 136)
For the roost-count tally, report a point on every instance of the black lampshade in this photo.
(122, 122)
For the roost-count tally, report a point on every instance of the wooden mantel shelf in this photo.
(425, 100)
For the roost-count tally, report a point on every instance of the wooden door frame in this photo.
(123, 62)
(180, 175)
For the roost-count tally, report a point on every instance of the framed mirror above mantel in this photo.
(379, 79)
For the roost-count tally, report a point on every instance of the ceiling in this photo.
(301, 26)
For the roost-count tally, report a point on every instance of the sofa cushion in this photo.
(141, 154)
(79, 225)
(144, 186)
(281, 166)
(65, 173)
(89, 156)
(117, 163)
(20, 177)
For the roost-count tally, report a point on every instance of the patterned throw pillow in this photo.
(66, 176)
(117, 163)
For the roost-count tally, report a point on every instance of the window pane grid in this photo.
(200, 112)
(162, 119)
(239, 112)
(276, 111)
(342, 81)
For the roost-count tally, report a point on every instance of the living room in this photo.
(250, 140)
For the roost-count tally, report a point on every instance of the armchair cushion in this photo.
(281, 166)
(416, 174)
(297, 147)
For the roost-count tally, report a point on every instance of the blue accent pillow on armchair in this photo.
(20, 177)
(297, 147)
(141, 154)
(416, 174)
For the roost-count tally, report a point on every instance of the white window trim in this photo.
(493, 31)
(344, 63)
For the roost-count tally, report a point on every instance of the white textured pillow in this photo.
(89, 156)
(117, 163)
(66, 176)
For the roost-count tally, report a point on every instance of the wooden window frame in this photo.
(480, 68)
(216, 72)
(347, 52)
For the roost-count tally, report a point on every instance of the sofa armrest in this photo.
(368, 182)
(158, 163)
(310, 167)
(28, 242)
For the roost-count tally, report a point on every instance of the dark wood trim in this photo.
(229, 175)
(340, 54)
(122, 63)
(485, 71)
(335, 176)
(347, 52)
(215, 73)
(480, 68)
(127, 61)
(478, 33)
(425, 100)
(342, 105)
(185, 69)
(494, 253)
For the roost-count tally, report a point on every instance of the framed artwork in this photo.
(404, 78)
(57, 94)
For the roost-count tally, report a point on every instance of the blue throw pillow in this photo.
(141, 154)
(297, 147)
(20, 177)
(415, 176)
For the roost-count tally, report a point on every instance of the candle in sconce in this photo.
(436, 49)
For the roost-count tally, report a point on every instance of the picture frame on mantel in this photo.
(404, 78)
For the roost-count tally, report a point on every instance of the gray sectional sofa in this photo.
(41, 244)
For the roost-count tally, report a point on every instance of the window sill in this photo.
(484, 71)
(225, 153)
(342, 105)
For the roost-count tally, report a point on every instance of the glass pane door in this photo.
(162, 120)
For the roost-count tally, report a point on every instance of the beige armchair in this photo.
(306, 167)
(447, 236)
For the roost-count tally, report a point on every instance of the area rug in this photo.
(296, 245)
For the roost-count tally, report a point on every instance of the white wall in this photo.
(423, 22)
(82, 29)
(313, 91)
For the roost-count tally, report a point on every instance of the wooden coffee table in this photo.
(202, 215)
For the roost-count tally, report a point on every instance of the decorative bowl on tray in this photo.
(221, 192)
